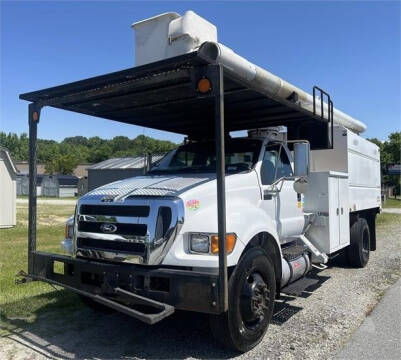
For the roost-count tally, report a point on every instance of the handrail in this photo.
(330, 109)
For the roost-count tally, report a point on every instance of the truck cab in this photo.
(171, 211)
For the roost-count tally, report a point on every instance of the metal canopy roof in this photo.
(163, 95)
(125, 163)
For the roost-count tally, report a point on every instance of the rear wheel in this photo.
(251, 293)
(359, 249)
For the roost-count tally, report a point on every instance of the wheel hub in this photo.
(254, 299)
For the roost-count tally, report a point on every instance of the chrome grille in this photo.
(138, 230)
(121, 210)
(121, 228)
(96, 244)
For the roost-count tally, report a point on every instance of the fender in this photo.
(254, 221)
(246, 224)
(263, 233)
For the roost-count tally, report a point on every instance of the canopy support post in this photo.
(33, 120)
(216, 72)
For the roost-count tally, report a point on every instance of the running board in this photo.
(318, 256)
(152, 318)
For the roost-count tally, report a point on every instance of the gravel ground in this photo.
(314, 326)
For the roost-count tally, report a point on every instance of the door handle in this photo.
(342, 211)
(268, 195)
(337, 212)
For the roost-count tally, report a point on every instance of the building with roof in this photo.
(49, 185)
(60, 185)
(115, 169)
(8, 193)
(23, 168)
(23, 184)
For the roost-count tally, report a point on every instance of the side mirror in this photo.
(301, 159)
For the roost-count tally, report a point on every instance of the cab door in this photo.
(282, 205)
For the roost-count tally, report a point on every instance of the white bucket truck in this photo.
(223, 224)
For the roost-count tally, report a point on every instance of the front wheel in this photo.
(251, 294)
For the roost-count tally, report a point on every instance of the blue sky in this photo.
(350, 49)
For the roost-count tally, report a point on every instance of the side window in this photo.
(270, 160)
(275, 165)
(284, 168)
(182, 159)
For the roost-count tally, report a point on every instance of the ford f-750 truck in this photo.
(222, 225)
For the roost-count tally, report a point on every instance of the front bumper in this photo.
(182, 289)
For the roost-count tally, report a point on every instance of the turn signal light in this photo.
(204, 85)
(230, 243)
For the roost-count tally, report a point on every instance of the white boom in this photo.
(170, 34)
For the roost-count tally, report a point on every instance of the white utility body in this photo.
(360, 159)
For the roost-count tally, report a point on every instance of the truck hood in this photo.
(170, 185)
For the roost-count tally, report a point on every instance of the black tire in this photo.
(94, 305)
(359, 248)
(251, 294)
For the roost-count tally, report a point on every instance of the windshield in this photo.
(241, 155)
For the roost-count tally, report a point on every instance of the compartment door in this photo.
(334, 214)
(343, 194)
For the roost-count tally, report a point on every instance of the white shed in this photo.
(8, 192)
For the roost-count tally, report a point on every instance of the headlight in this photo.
(209, 243)
(69, 228)
(200, 243)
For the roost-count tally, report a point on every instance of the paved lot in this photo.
(313, 326)
(379, 336)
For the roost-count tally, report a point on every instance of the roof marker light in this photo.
(204, 85)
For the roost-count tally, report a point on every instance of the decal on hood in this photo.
(193, 204)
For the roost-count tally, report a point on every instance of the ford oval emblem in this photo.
(108, 228)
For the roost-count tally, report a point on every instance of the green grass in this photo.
(27, 301)
(392, 203)
(385, 218)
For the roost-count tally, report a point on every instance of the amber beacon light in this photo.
(204, 85)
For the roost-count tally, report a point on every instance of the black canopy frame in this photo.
(164, 95)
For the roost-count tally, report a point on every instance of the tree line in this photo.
(62, 157)
(390, 153)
